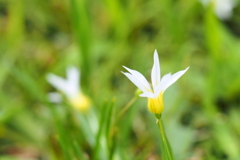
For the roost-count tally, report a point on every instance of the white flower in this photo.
(70, 85)
(153, 92)
(223, 8)
(71, 88)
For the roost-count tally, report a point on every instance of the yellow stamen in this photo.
(81, 103)
(156, 105)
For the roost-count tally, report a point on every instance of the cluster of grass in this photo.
(201, 115)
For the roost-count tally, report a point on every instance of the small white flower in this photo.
(70, 87)
(223, 8)
(153, 92)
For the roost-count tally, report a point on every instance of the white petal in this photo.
(55, 97)
(147, 94)
(73, 78)
(155, 76)
(165, 77)
(57, 82)
(140, 77)
(173, 79)
(205, 2)
(160, 87)
(135, 81)
(223, 8)
(73, 75)
(69, 88)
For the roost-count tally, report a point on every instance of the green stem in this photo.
(125, 108)
(164, 139)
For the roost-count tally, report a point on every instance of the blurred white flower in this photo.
(223, 8)
(153, 92)
(70, 88)
(70, 85)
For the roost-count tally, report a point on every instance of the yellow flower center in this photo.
(81, 102)
(156, 105)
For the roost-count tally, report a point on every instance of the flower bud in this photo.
(81, 102)
(156, 105)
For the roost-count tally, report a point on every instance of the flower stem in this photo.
(164, 139)
(125, 108)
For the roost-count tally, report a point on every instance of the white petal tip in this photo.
(126, 68)
(50, 76)
(125, 73)
(155, 56)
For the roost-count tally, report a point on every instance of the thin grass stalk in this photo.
(81, 27)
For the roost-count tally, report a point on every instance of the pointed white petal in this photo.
(160, 87)
(73, 78)
(73, 75)
(156, 75)
(165, 77)
(57, 82)
(68, 88)
(173, 79)
(140, 77)
(147, 94)
(135, 81)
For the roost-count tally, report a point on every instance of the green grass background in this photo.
(201, 116)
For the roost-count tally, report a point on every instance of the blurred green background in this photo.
(201, 116)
